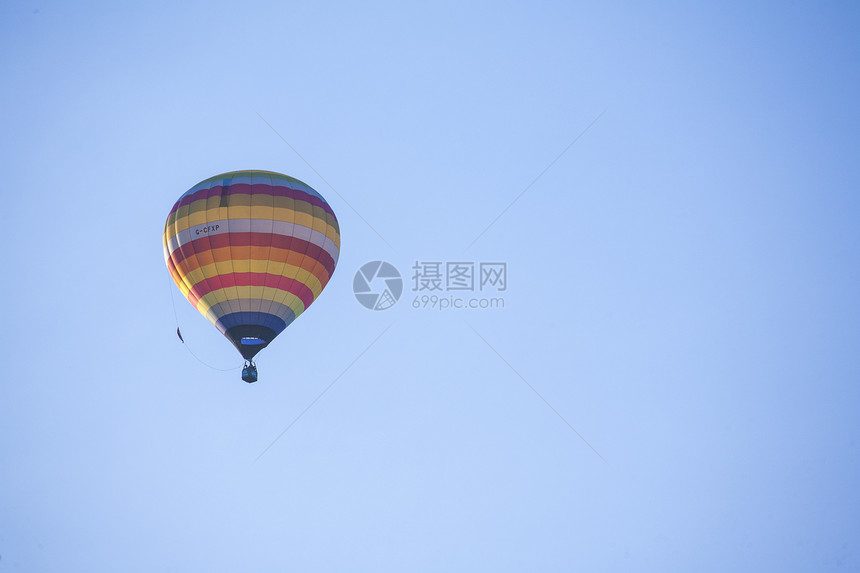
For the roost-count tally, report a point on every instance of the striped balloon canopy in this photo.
(251, 250)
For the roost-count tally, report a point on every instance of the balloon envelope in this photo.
(251, 250)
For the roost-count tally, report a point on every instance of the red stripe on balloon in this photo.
(293, 286)
(245, 239)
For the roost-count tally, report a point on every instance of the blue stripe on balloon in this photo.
(252, 319)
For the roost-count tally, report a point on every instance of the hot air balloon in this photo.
(251, 250)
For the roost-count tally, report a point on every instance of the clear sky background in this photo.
(682, 288)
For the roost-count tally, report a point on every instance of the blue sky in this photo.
(681, 288)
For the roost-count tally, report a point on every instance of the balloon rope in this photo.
(185, 344)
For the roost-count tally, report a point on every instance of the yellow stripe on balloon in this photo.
(267, 293)
(319, 219)
(242, 266)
